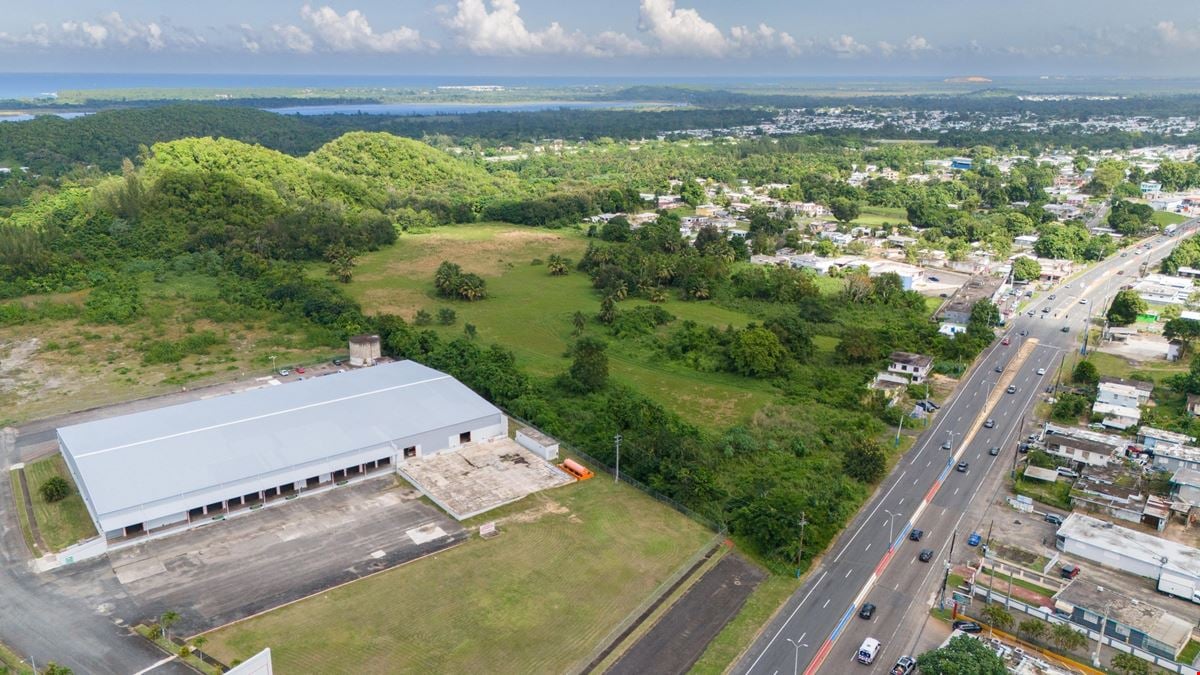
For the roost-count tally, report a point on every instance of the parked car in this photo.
(905, 665)
(962, 467)
(284, 372)
(1069, 571)
(1012, 389)
(994, 450)
(1054, 518)
(990, 423)
(1066, 329)
(337, 362)
(1065, 472)
(1083, 301)
(968, 626)
(1045, 310)
(867, 611)
(916, 534)
(934, 279)
(1120, 272)
(974, 539)
(931, 404)
(300, 370)
(926, 555)
(1024, 333)
(1052, 296)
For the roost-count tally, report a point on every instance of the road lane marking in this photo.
(956, 491)
(868, 548)
(848, 572)
(871, 515)
(901, 501)
(826, 603)
(789, 620)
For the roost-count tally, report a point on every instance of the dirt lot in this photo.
(232, 569)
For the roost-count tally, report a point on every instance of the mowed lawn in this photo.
(530, 312)
(569, 565)
(64, 522)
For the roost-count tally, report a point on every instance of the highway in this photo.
(873, 561)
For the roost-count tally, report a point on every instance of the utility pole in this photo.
(1100, 633)
(617, 473)
(946, 574)
(898, 429)
(1061, 364)
(800, 549)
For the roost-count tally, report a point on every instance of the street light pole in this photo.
(891, 530)
(272, 364)
(796, 663)
(617, 473)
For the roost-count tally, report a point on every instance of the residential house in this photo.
(915, 367)
(1152, 438)
(1119, 404)
(1088, 451)
(1162, 289)
(1193, 404)
(1150, 188)
(1025, 241)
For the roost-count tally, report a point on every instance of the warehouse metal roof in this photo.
(144, 457)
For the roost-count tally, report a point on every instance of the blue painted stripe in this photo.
(945, 472)
(842, 624)
(907, 528)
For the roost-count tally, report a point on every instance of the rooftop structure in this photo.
(1126, 549)
(958, 308)
(1138, 623)
(200, 460)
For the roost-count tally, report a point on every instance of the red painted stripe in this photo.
(819, 658)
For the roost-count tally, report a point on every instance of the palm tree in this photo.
(168, 619)
(557, 265)
(1130, 664)
(1067, 638)
(580, 322)
(997, 616)
(1033, 629)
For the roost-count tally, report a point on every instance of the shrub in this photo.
(446, 316)
(55, 489)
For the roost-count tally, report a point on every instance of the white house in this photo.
(915, 367)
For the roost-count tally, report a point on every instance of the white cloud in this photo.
(1172, 35)
(846, 47)
(763, 38)
(497, 29)
(681, 31)
(352, 32)
(291, 38)
(916, 43)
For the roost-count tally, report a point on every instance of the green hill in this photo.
(406, 166)
(284, 175)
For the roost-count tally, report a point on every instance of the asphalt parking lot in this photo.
(229, 570)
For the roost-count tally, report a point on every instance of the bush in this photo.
(446, 316)
(55, 489)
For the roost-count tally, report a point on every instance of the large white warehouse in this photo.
(199, 461)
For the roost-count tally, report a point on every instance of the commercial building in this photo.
(957, 309)
(1125, 549)
(193, 463)
(1131, 621)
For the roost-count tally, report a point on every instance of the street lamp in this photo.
(272, 364)
(796, 664)
(891, 531)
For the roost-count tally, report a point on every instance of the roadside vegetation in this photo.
(61, 516)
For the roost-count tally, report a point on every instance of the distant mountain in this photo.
(968, 79)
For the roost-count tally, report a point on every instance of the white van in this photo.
(868, 650)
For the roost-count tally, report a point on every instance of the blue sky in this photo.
(619, 37)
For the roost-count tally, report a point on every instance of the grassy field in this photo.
(64, 522)
(55, 365)
(1115, 366)
(530, 312)
(569, 565)
(1167, 218)
(874, 216)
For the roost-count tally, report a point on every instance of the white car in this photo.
(1041, 371)
(284, 372)
(1083, 301)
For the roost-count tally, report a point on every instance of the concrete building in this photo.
(1136, 623)
(365, 350)
(1162, 289)
(193, 463)
(1152, 438)
(957, 309)
(915, 367)
(1110, 490)
(1125, 549)
(1086, 451)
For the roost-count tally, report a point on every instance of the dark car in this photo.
(989, 423)
(1069, 571)
(999, 369)
(1024, 333)
(1023, 448)
(926, 555)
(962, 467)
(916, 534)
(1053, 296)
(968, 627)
(1054, 518)
(337, 362)
(934, 279)
(1066, 329)
(993, 451)
(867, 611)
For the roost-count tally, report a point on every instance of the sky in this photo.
(692, 38)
